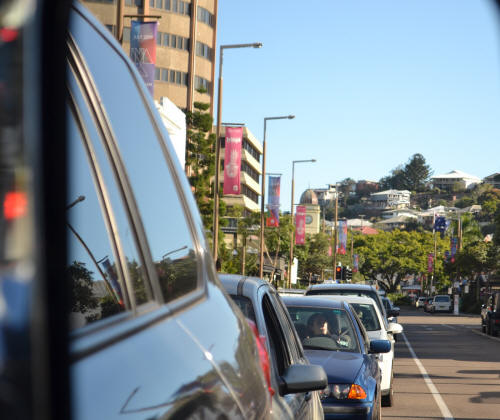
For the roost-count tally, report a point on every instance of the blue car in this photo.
(333, 336)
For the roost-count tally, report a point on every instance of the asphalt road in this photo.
(445, 368)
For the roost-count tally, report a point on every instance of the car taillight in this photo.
(263, 356)
(15, 205)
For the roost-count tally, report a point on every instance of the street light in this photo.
(263, 190)
(292, 235)
(217, 143)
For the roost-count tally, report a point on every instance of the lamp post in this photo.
(292, 235)
(263, 190)
(217, 144)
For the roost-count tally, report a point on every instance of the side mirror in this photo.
(395, 328)
(303, 378)
(380, 346)
(390, 319)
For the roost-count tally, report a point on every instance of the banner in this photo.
(273, 201)
(430, 263)
(355, 263)
(300, 225)
(143, 50)
(453, 248)
(341, 247)
(232, 160)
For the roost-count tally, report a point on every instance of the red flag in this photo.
(232, 160)
(300, 225)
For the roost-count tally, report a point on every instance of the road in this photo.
(445, 369)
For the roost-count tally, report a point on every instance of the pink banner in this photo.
(232, 160)
(430, 263)
(341, 247)
(300, 225)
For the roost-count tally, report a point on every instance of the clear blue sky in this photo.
(370, 82)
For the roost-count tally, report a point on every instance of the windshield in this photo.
(324, 328)
(441, 299)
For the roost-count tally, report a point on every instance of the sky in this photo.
(370, 82)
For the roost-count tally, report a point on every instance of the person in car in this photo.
(319, 325)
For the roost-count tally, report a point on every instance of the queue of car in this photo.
(109, 257)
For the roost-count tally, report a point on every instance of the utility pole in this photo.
(335, 237)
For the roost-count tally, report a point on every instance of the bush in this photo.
(399, 299)
(470, 305)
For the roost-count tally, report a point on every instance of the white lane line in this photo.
(432, 388)
(448, 326)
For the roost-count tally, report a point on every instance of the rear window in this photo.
(368, 316)
(442, 299)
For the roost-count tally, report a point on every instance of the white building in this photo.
(390, 199)
(455, 178)
(493, 180)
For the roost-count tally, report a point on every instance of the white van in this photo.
(442, 303)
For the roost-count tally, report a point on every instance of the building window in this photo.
(165, 40)
(126, 34)
(157, 73)
(252, 150)
(111, 28)
(245, 167)
(203, 50)
(164, 75)
(137, 3)
(201, 83)
(205, 16)
(251, 194)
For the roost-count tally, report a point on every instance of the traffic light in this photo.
(348, 274)
(338, 272)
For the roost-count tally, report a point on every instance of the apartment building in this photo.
(455, 179)
(390, 199)
(186, 39)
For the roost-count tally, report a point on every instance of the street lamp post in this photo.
(292, 235)
(263, 190)
(217, 144)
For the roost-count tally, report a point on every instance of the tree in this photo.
(200, 158)
(346, 186)
(81, 286)
(416, 173)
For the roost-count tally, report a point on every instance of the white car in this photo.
(442, 303)
(420, 303)
(369, 314)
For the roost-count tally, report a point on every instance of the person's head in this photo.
(318, 324)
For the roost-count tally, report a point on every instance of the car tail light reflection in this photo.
(263, 356)
(15, 205)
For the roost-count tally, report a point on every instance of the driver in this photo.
(318, 325)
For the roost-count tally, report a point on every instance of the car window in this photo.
(442, 299)
(368, 316)
(362, 330)
(245, 305)
(134, 274)
(167, 230)
(288, 327)
(277, 343)
(96, 290)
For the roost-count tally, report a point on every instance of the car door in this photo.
(308, 403)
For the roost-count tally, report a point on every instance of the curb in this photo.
(485, 335)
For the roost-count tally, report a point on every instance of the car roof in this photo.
(313, 301)
(236, 284)
(352, 298)
(346, 286)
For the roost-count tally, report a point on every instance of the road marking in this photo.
(448, 326)
(432, 388)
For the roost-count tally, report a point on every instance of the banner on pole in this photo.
(300, 225)
(453, 248)
(355, 263)
(341, 248)
(143, 50)
(430, 263)
(273, 201)
(232, 160)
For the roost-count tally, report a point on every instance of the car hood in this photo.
(340, 367)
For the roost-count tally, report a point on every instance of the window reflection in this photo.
(154, 189)
(96, 292)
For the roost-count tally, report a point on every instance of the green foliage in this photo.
(413, 176)
(398, 299)
(80, 285)
(464, 202)
(200, 158)
(392, 255)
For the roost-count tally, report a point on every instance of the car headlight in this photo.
(343, 391)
